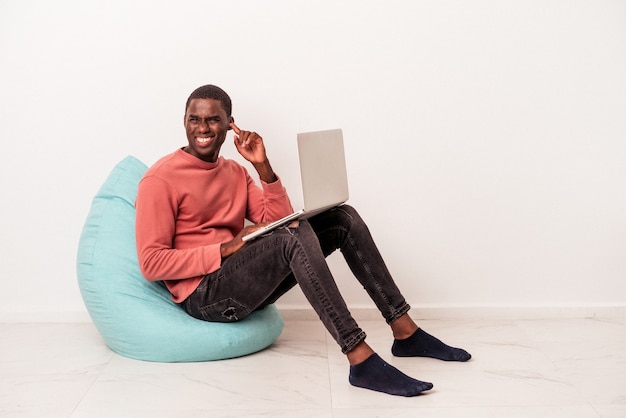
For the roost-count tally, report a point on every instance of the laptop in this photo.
(323, 175)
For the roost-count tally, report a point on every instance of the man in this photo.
(191, 207)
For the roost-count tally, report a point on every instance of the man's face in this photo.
(206, 124)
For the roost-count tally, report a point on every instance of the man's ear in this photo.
(230, 120)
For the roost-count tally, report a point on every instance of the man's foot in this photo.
(422, 344)
(376, 374)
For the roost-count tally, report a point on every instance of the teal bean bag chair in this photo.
(137, 318)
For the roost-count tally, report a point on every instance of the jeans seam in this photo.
(390, 313)
(321, 294)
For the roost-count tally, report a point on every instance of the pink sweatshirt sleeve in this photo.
(269, 203)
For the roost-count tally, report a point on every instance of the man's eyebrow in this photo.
(191, 115)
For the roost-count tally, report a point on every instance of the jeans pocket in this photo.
(226, 310)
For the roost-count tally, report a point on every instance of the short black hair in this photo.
(211, 92)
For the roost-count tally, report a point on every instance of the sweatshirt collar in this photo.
(197, 161)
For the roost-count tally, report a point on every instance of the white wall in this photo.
(486, 140)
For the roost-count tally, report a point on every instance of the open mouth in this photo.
(203, 141)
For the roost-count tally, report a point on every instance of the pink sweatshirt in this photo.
(187, 207)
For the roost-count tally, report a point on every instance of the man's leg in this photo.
(253, 275)
(266, 268)
(342, 228)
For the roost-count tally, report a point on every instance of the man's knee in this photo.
(348, 210)
(348, 215)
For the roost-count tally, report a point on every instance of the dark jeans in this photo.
(266, 268)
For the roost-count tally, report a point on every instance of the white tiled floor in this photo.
(521, 368)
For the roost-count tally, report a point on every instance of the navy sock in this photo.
(422, 344)
(376, 374)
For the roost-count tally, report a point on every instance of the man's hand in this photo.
(250, 146)
(231, 247)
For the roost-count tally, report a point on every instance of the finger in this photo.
(241, 142)
(235, 128)
(244, 138)
(253, 138)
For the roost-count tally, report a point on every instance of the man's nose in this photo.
(205, 126)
